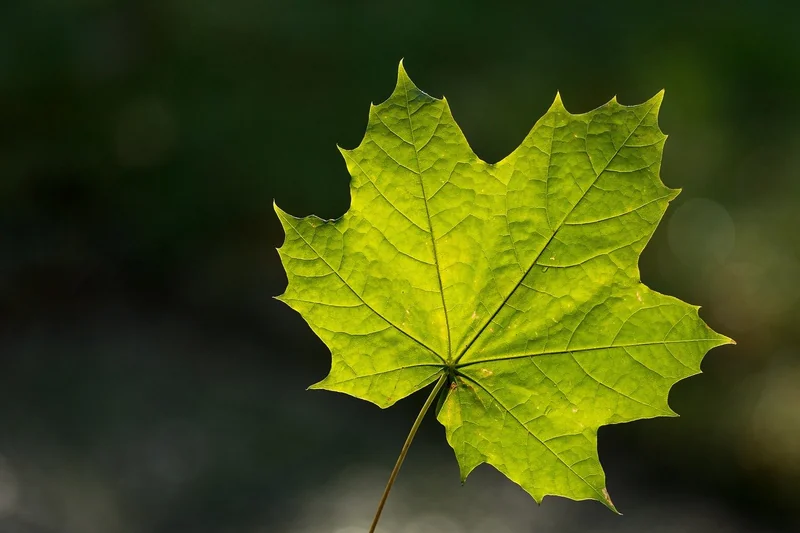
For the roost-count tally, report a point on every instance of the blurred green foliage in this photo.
(141, 145)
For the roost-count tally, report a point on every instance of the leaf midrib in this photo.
(357, 295)
(555, 232)
(445, 361)
(428, 217)
(531, 433)
(576, 350)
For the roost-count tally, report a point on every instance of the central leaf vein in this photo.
(532, 434)
(552, 236)
(428, 216)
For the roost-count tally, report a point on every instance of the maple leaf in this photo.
(515, 284)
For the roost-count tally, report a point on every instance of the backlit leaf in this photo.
(518, 280)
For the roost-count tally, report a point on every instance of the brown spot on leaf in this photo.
(607, 497)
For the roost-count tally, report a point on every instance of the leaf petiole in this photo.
(404, 451)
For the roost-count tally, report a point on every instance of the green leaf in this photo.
(518, 280)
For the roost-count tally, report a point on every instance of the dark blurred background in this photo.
(149, 383)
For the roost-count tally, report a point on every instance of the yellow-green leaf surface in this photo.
(518, 280)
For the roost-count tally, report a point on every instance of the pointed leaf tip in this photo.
(608, 503)
(401, 70)
(657, 99)
(404, 81)
(343, 151)
(557, 104)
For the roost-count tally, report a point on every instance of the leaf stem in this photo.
(404, 451)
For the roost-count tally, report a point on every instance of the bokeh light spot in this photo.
(701, 233)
